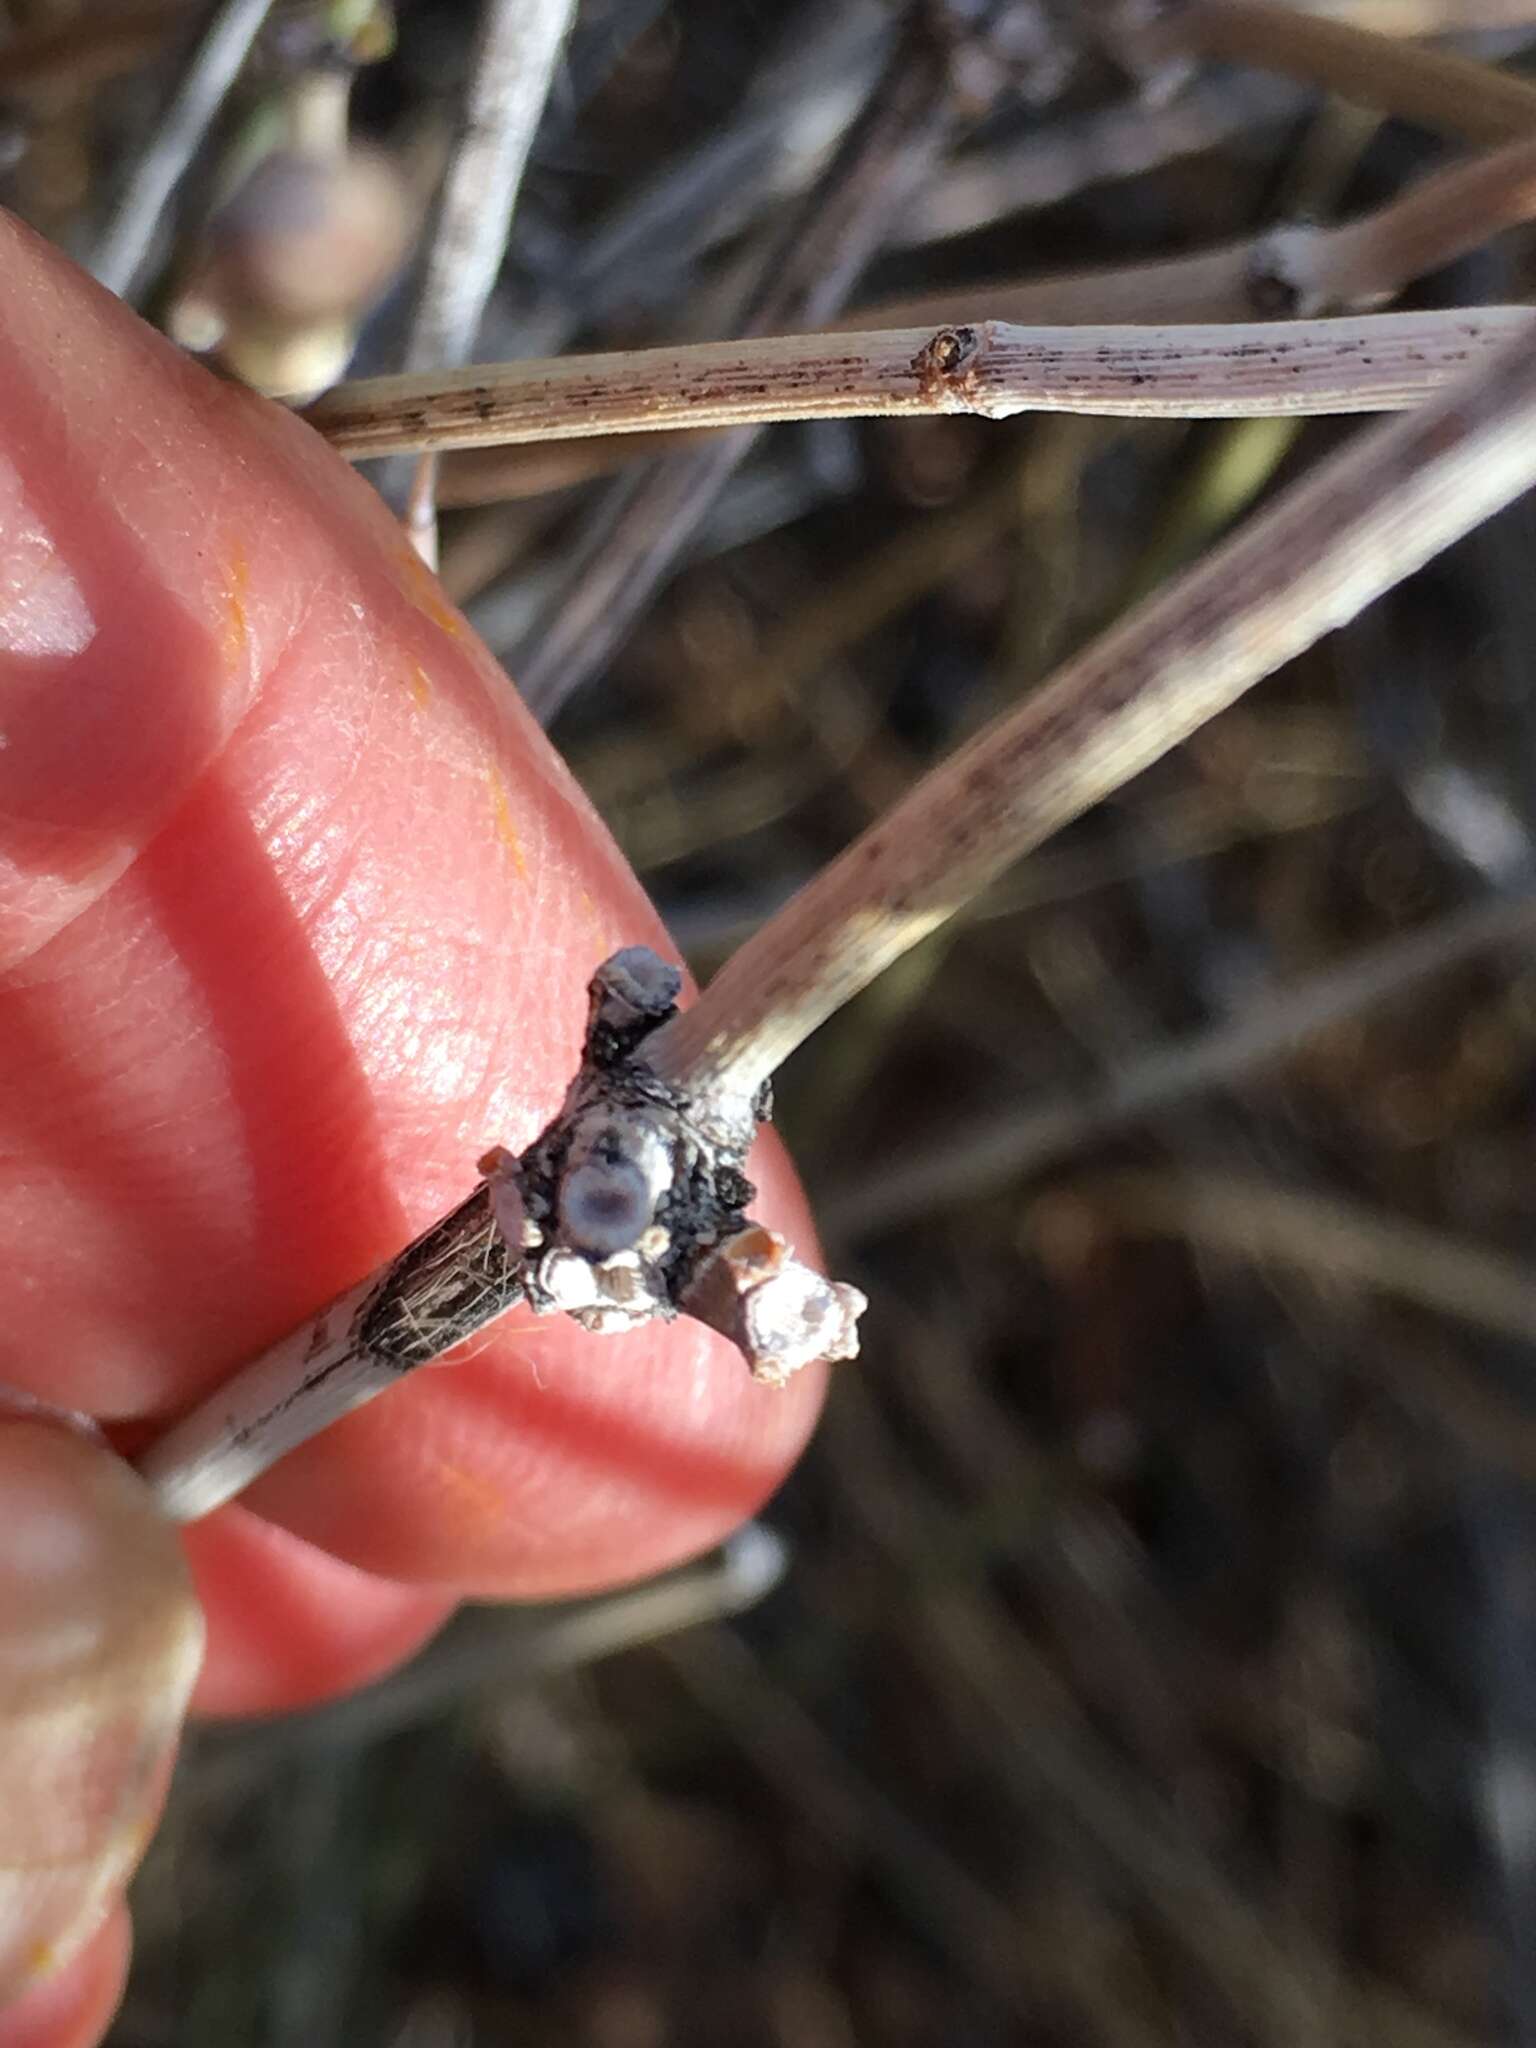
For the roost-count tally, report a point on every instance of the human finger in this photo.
(299, 909)
(100, 1639)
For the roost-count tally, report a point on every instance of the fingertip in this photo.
(99, 1644)
(72, 2007)
(289, 1625)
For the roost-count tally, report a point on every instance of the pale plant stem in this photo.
(516, 52)
(1076, 1782)
(512, 1646)
(1382, 362)
(1432, 223)
(1350, 266)
(1331, 1239)
(1311, 270)
(803, 277)
(1426, 17)
(1364, 520)
(519, 44)
(1072, 1784)
(421, 508)
(1003, 1150)
(830, 1791)
(125, 241)
(1076, 152)
(1433, 87)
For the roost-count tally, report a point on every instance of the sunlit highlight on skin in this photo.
(42, 608)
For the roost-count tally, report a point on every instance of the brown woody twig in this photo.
(1414, 81)
(631, 1203)
(1378, 363)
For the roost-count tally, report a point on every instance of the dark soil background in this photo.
(1155, 1660)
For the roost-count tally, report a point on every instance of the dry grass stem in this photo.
(1426, 17)
(973, 1162)
(1331, 1239)
(126, 239)
(515, 57)
(1363, 521)
(1302, 268)
(516, 52)
(1067, 1780)
(1071, 1785)
(504, 1649)
(840, 1804)
(1380, 362)
(1413, 81)
(1074, 153)
(802, 276)
(1298, 268)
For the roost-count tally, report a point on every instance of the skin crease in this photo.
(296, 913)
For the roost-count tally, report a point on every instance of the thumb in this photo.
(100, 1641)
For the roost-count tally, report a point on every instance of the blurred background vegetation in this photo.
(1155, 1661)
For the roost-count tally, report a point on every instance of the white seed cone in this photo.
(100, 1642)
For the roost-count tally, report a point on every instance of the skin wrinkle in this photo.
(300, 443)
(386, 1002)
(370, 949)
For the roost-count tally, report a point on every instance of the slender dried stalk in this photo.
(509, 1647)
(1435, 88)
(760, 157)
(974, 1162)
(515, 57)
(1383, 362)
(1331, 1239)
(804, 277)
(1067, 1778)
(963, 1918)
(125, 242)
(571, 1226)
(1297, 268)
(1435, 221)
(1427, 17)
(1304, 269)
(1072, 153)
(665, 1104)
(516, 52)
(1363, 521)
(1070, 1784)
